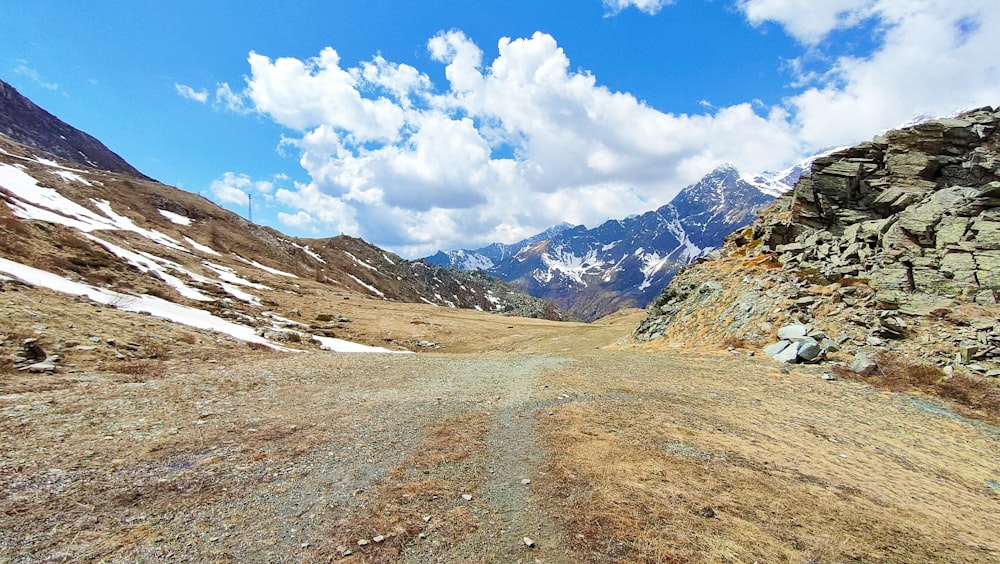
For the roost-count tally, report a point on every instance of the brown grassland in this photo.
(197, 448)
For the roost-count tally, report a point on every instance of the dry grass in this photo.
(634, 479)
(652, 495)
(664, 499)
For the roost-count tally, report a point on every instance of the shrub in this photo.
(897, 374)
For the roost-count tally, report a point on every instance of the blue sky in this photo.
(447, 123)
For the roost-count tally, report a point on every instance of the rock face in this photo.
(895, 243)
(26, 123)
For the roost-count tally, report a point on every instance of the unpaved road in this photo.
(631, 455)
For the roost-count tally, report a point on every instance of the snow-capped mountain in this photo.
(491, 255)
(625, 263)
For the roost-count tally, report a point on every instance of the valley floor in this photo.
(632, 455)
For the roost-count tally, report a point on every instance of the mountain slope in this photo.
(26, 123)
(140, 246)
(590, 273)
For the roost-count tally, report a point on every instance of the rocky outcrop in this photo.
(894, 242)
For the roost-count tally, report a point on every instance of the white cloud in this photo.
(234, 188)
(186, 91)
(23, 69)
(226, 99)
(808, 21)
(299, 220)
(303, 95)
(651, 7)
(231, 188)
(934, 57)
(509, 147)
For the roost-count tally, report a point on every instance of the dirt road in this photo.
(631, 455)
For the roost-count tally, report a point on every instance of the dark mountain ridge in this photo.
(24, 122)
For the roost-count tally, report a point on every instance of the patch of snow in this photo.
(342, 346)
(428, 301)
(176, 217)
(229, 275)
(52, 164)
(144, 303)
(126, 224)
(265, 268)
(386, 257)
(360, 262)
(235, 292)
(651, 264)
(371, 288)
(308, 251)
(284, 321)
(72, 177)
(199, 247)
(148, 263)
(47, 204)
(569, 264)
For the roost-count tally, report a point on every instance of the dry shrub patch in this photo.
(734, 342)
(138, 370)
(979, 396)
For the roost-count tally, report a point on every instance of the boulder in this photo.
(793, 332)
(862, 363)
(810, 350)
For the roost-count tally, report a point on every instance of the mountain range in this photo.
(589, 273)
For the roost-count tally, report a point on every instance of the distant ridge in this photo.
(589, 273)
(24, 122)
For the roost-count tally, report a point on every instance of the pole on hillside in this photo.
(250, 207)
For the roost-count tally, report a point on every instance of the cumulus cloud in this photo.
(186, 91)
(299, 220)
(808, 21)
(651, 7)
(508, 147)
(235, 188)
(934, 57)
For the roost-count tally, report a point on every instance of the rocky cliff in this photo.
(891, 245)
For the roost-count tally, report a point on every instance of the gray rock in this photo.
(775, 348)
(810, 350)
(789, 354)
(862, 363)
(40, 367)
(793, 332)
